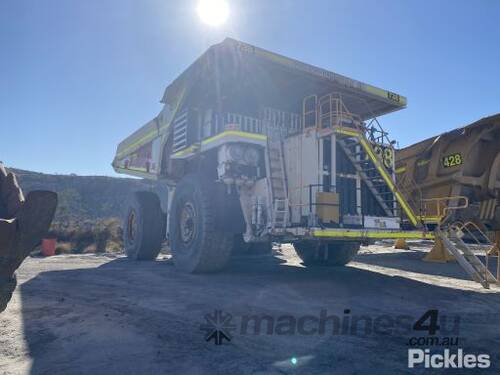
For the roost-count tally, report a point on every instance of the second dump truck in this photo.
(462, 162)
(252, 148)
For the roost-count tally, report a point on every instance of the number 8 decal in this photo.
(388, 157)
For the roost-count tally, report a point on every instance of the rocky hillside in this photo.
(83, 197)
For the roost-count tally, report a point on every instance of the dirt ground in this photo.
(87, 314)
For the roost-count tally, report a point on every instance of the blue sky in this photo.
(76, 77)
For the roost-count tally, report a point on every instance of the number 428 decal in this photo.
(452, 160)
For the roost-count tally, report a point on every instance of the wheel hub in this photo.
(187, 222)
(132, 226)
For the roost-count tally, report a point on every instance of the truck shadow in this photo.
(144, 317)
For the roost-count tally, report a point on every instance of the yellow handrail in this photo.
(460, 226)
(442, 206)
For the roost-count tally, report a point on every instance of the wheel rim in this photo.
(187, 223)
(131, 226)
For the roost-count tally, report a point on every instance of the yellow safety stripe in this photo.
(347, 132)
(136, 171)
(258, 137)
(136, 145)
(400, 170)
(430, 219)
(193, 148)
(187, 150)
(387, 179)
(371, 234)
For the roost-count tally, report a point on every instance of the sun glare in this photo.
(213, 12)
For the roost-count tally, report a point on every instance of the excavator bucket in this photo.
(23, 223)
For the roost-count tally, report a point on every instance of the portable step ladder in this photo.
(464, 255)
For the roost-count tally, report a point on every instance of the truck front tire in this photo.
(195, 242)
(332, 254)
(143, 226)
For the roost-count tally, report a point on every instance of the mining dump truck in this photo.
(455, 178)
(252, 148)
(463, 162)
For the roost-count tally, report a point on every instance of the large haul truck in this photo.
(456, 179)
(256, 148)
(462, 162)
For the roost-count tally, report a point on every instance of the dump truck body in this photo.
(235, 77)
(462, 162)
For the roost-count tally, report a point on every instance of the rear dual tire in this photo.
(333, 254)
(143, 226)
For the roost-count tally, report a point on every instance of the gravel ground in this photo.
(87, 314)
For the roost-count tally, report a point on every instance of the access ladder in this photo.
(277, 183)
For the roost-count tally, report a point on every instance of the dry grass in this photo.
(83, 237)
(64, 248)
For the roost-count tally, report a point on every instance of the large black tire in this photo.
(331, 254)
(7, 287)
(197, 245)
(143, 226)
(242, 248)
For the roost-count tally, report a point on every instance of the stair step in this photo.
(385, 192)
(466, 258)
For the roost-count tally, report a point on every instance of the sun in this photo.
(213, 12)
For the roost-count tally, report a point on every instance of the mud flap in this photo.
(228, 209)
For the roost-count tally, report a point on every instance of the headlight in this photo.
(251, 156)
(235, 152)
